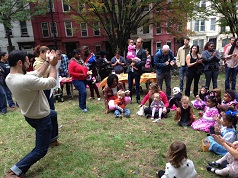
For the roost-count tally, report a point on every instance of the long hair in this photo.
(233, 47)
(110, 79)
(177, 152)
(192, 48)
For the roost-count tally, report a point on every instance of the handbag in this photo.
(205, 145)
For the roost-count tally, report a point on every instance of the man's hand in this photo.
(52, 58)
(172, 63)
(167, 63)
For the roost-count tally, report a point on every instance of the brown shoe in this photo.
(11, 174)
(54, 143)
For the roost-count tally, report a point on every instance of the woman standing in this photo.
(232, 65)
(79, 72)
(211, 58)
(111, 89)
(91, 63)
(193, 61)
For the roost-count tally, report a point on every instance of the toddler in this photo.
(207, 119)
(157, 105)
(120, 105)
(184, 114)
(175, 100)
(229, 99)
(227, 131)
(217, 93)
(200, 101)
(231, 169)
(131, 54)
(179, 165)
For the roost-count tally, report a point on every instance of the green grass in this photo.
(95, 144)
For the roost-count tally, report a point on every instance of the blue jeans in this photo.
(230, 72)
(131, 77)
(80, 85)
(46, 131)
(8, 95)
(211, 75)
(167, 77)
(182, 73)
(3, 100)
(127, 112)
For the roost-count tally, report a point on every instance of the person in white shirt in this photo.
(27, 88)
(179, 165)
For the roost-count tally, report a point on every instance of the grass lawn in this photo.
(95, 144)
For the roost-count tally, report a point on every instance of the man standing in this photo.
(6, 69)
(163, 61)
(28, 88)
(63, 70)
(181, 61)
(135, 73)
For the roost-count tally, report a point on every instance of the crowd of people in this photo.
(36, 76)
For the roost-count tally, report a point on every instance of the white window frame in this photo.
(84, 30)
(23, 28)
(158, 42)
(158, 26)
(202, 26)
(169, 43)
(69, 28)
(196, 25)
(213, 24)
(63, 4)
(45, 29)
(51, 29)
(168, 25)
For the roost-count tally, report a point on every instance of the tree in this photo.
(228, 9)
(17, 10)
(120, 18)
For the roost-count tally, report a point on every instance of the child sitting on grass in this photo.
(229, 99)
(219, 166)
(207, 119)
(179, 165)
(200, 101)
(227, 131)
(184, 114)
(157, 105)
(120, 105)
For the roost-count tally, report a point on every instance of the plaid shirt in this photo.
(63, 70)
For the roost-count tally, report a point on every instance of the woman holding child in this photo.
(154, 88)
(111, 89)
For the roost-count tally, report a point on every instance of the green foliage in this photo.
(119, 19)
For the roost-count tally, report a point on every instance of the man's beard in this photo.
(24, 69)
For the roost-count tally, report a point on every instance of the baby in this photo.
(131, 54)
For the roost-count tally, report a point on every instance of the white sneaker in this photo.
(99, 99)
(152, 118)
(156, 120)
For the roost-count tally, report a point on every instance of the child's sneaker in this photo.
(156, 120)
(99, 99)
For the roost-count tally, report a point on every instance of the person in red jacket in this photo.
(154, 88)
(79, 72)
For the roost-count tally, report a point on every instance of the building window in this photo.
(203, 4)
(213, 22)
(146, 29)
(169, 43)
(68, 28)
(97, 49)
(169, 27)
(45, 29)
(200, 43)
(158, 46)
(158, 29)
(84, 29)
(52, 5)
(196, 26)
(55, 28)
(66, 7)
(23, 26)
(202, 25)
(96, 28)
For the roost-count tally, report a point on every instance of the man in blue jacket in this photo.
(163, 61)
